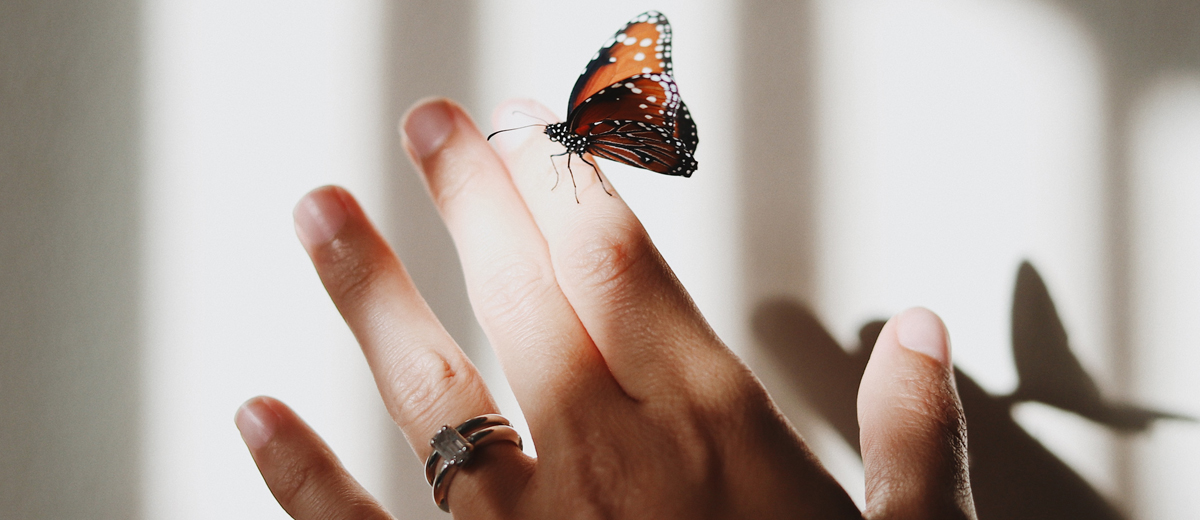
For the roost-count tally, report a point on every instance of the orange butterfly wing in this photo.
(626, 107)
(649, 98)
(643, 46)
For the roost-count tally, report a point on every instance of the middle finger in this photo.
(505, 262)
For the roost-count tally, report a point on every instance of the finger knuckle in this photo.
(602, 471)
(448, 186)
(695, 448)
(425, 381)
(510, 293)
(450, 176)
(303, 478)
(603, 259)
(318, 481)
(356, 273)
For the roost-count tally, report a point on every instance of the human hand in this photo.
(637, 409)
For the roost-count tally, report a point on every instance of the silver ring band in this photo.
(454, 447)
(472, 424)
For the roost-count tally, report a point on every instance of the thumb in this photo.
(912, 430)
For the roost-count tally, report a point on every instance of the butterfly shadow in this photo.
(1013, 476)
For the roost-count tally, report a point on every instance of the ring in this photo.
(454, 447)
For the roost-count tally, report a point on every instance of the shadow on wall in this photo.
(1012, 475)
(1140, 42)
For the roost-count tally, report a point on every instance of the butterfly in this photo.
(626, 107)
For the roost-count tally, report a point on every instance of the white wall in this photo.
(957, 139)
(861, 156)
(249, 105)
(1166, 296)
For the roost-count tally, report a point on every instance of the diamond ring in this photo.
(454, 447)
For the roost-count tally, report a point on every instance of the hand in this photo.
(638, 410)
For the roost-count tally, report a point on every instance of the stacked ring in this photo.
(454, 447)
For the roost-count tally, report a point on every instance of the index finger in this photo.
(641, 318)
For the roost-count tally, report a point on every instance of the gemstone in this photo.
(451, 445)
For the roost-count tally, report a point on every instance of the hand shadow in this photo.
(1012, 475)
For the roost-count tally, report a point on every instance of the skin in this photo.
(637, 408)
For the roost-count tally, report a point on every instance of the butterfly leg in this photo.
(573, 185)
(598, 177)
(557, 175)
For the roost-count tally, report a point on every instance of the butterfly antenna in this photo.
(489, 137)
(531, 116)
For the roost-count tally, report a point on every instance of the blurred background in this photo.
(857, 156)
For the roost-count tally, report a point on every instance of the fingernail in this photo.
(319, 216)
(427, 127)
(257, 422)
(920, 330)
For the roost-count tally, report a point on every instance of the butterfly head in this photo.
(559, 133)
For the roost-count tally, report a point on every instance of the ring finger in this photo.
(425, 379)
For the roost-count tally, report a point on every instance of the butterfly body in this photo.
(626, 106)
